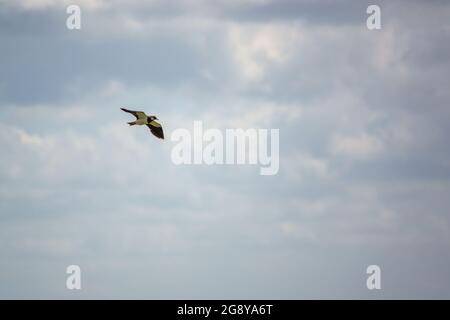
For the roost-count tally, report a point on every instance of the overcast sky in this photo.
(364, 175)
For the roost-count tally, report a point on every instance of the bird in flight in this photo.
(149, 121)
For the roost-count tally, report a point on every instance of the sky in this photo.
(364, 176)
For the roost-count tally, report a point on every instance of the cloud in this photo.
(46, 4)
(255, 47)
(364, 165)
(361, 146)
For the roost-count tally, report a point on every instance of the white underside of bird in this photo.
(141, 122)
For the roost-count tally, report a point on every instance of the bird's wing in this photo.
(156, 129)
(137, 114)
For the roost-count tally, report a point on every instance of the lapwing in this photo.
(149, 121)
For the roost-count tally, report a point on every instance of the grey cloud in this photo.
(79, 186)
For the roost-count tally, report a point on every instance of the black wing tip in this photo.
(156, 131)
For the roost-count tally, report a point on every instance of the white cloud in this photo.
(297, 231)
(303, 167)
(357, 146)
(256, 47)
(77, 181)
